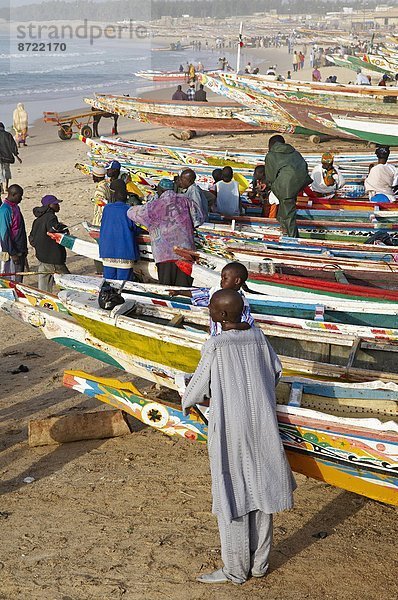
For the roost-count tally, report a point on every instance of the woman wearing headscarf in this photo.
(20, 124)
(326, 178)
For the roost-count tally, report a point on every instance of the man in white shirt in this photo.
(383, 178)
(227, 192)
(362, 79)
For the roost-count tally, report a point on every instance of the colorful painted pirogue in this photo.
(350, 164)
(147, 164)
(372, 130)
(330, 310)
(310, 104)
(158, 366)
(207, 273)
(189, 116)
(359, 455)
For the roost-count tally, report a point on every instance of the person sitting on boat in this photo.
(383, 81)
(316, 75)
(191, 92)
(233, 276)
(382, 181)
(187, 186)
(179, 94)
(51, 256)
(260, 193)
(217, 176)
(251, 476)
(170, 219)
(118, 245)
(200, 94)
(326, 178)
(102, 193)
(361, 78)
(228, 200)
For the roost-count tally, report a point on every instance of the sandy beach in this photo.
(130, 517)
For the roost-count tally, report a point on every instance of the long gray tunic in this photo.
(249, 470)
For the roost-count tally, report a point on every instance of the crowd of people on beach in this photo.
(173, 211)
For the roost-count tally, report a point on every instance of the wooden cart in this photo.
(70, 124)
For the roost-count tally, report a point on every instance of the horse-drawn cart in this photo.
(85, 123)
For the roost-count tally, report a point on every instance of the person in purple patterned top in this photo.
(170, 220)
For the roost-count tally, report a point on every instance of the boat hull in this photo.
(344, 455)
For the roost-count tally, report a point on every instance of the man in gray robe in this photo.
(251, 478)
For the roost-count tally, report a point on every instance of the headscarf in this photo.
(327, 158)
(330, 172)
(20, 118)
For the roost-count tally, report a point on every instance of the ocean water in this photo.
(59, 80)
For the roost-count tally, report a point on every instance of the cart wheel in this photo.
(65, 132)
(86, 131)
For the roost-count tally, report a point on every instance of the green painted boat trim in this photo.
(376, 138)
(358, 63)
(88, 351)
(333, 237)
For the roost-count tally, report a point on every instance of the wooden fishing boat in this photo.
(372, 130)
(334, 311)
(145, 331)
(207, 273)
(317, 248)
(374, 62)
(334, 231)
(349, 163)
(310, 104)
(356, 454)
(188, 116)
(345, 204)
(64, 330)
(132, 155)
(30, 295)
(168, 76)
(260, 119)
